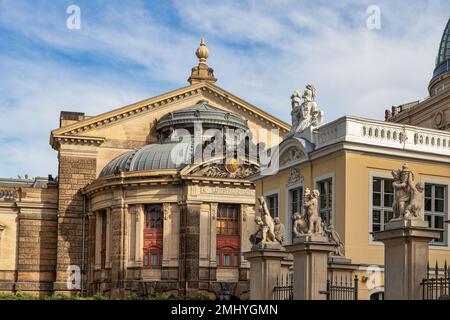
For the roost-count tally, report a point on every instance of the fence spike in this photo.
(436, 269)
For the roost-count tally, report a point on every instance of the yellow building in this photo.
(350, 161)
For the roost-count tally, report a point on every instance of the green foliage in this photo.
(59, 297)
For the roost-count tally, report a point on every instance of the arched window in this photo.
(153, 236)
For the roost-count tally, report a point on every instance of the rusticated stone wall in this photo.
(36, 248)
(74, 174)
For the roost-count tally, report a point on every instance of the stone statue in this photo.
(300, 225)
(269, 225)
(408, 200)
(311, 205)
(258, 235)
(279, 230)
(266, 226)
(333, 236)
(414, 208)
(310, 223)
(305, 113)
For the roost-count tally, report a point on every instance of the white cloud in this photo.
(260, 50)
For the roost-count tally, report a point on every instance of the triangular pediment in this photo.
(92, 127)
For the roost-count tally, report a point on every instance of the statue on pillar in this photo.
(408, 200)
(311, 222)
(269, 231)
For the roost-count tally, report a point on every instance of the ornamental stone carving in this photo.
(2, 228)
(213, 209)
(310, 223)
(167, 210)
(305, 112)
(279, 230)
(216, 170)
(294, 178)
(266, 227)
(333, 237)
(409, 197)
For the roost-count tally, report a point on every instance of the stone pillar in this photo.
(310, 266)
(75, 172)
(171, 246)
(189, 247)
(118, 249)
(265, 267)
(406, 247)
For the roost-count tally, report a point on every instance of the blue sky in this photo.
(260, 50)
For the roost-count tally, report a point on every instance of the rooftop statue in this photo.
(408, 200)
(305, 112)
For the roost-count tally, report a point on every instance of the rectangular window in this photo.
(153, 216)
(325, 201)
(228, 219)
(382, 202)
(296, 198)
(272, 204)
(435, 210)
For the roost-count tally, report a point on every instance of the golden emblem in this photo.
(233, 166)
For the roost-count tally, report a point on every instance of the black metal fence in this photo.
(284, 288)
(436, 285)
(342, 288)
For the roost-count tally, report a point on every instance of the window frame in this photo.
(382, 207)
(289, 218)
(317, 181)
(372, 175)
(446, 184)
(273, 193)
(227, 220)
(146, 214)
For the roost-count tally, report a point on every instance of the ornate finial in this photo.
(202, 51)
(202, 72)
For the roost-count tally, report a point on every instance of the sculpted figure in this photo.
(300, 225)
(414, 208)
(401, 190)
(258, 235)
(311, 205)
(333, 236)
(307, 114)
(279, 231)
(268, 234)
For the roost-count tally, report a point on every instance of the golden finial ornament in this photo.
(202, 52)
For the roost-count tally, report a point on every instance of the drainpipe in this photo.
(85, 218)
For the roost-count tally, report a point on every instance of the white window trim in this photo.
(375, 290)
(288, 219)
(446, 225)
(272, 193)
(374, 174)
(333, 196)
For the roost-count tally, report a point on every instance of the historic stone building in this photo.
(135, 210)
(129, 215)
(350, 162)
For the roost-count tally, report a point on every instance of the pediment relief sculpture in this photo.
(291, 155)
(409, 197)
(233, 171)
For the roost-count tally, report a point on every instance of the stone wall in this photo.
(74, 174)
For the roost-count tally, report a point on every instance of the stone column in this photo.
(118, 249)
(406, 247)
(265, 267)
(189, 247)
(310, 266)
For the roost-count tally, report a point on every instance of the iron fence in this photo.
(436, 285)
(284, 288)
(342, 288)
